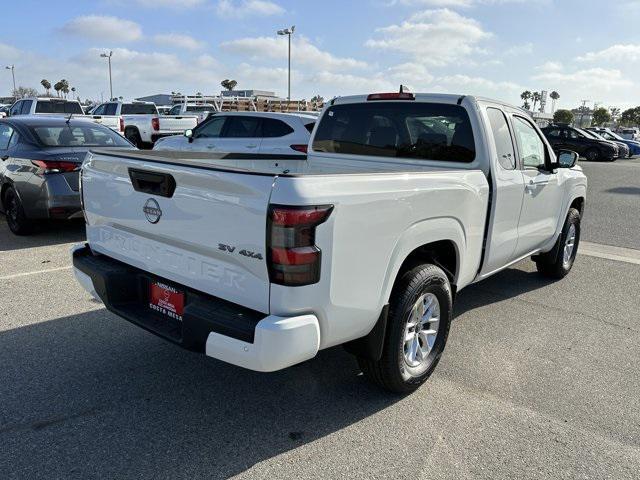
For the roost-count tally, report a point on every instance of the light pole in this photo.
(108, 57)
(13, 74)
(289, 33)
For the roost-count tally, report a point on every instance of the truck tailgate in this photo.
(178, 123)
(209, 234)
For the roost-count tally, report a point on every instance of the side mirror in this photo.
(566, 158)
(189, 135)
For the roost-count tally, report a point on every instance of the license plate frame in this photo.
(166, 300)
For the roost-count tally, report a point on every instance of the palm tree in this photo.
(554, 96)
(46, 84)
(57, 87)
(229, 84)
(615, 112)
(536, 98)
(73, 91)
(64, 87)
(526, 95)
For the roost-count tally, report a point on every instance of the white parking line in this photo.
(24, 274)
(627, 255)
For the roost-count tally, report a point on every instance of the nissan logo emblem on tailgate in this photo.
(152, 211)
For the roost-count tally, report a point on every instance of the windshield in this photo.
(138, 109)
(611, 136)
(590, 134)
(58, 107)
(403, 129)
(78, 136)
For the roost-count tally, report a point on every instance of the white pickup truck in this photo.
(261, 262)
(140, 122)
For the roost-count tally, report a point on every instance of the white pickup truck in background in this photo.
(200, 110)
(140, 122)
(403, 201)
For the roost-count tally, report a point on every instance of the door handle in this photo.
(211, 146)
(252, 146)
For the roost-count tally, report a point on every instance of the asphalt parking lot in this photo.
(539, 380)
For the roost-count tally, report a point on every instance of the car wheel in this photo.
(558, 263)
(18, 222)
(420, 311)
(593, 155)
(134, 137)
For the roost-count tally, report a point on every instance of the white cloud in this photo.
(178, 40)
(433, 37)
(103, 27)
(246, 8)
(519, 49)
(303, 52)
(478, 85)
(550, 67)
(170, 3)
(8, 52)
(615, 53)
(459, 3)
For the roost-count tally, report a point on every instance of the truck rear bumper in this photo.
(220, 329)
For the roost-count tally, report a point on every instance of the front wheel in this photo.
(18, 222)
(558, 263)
(593, 155)
(417, 329)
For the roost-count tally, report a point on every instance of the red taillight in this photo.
(294, 259)
(155, 123)
(121, 124)
(391, 96)
(49, 166)
(300, 148)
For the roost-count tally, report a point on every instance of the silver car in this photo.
(40, 160)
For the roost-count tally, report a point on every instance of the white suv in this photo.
(246, 132)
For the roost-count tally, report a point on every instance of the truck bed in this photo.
(281, 165)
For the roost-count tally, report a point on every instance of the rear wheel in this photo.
(18, 222)
(417, 329)
(558, 263)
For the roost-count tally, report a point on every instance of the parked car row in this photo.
(588, 144)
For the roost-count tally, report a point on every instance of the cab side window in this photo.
(99, 110)
(26, 107)
(175, 110)
(502, 138)
(530, 145)
(16, 108)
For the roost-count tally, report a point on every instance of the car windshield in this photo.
(78, 136)
(58, 107)
(590, 134)
(611, 136)
(418, 130)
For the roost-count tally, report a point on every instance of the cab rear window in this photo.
(138, 109)
(420, 130)
(59, 107)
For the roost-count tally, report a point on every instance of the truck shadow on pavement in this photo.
(47, 234)
(92, 393)
(624, 190)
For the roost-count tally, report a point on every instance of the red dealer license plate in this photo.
(166, 300)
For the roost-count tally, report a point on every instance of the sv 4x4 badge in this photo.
(244, 253)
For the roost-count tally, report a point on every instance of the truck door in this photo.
(542, 195)
(507, 193)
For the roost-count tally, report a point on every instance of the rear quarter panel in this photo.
(378, 219)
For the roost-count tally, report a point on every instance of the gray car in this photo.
(40, 163)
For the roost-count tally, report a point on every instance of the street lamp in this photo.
(13, 74)
(289, 33)
(108, 57)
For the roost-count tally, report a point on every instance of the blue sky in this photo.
(583, 49)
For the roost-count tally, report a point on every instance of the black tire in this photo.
(134, 137)
(553, 264)
(593, 155)
(18, 222)
(392, 372)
